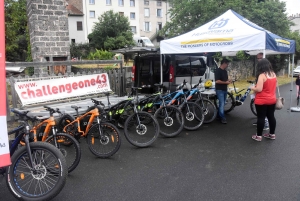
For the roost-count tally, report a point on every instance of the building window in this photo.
(108, 2)
(159, 26)
(92, 14)
(133, 29)
(121, 13)
(147, 12)
(147, 26)
(132, 3)
(132, 16)
(79, 26)
(92, 1)
(146, 3)
(158, 3)
(73, 40)
(121, 2)
(159, 13)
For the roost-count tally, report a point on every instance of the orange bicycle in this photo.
(44, 129)
(102, 137)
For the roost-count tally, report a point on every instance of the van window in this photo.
(190, 66)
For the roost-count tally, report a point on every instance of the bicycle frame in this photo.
(238, 96)
(94, 114)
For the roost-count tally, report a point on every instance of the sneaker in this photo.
(223, 121)
(270, 136)
(266, 127)
(254, 123)
(257, 138)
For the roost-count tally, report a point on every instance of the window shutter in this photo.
(144, 26)
(149, 26)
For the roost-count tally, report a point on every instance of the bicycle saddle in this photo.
(75, 107)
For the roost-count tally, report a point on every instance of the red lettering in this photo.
(23, 95)
(93, 82)
(103, 76)
(54, 90)
(74, 85)
(48, 89)
(98, 80)
(44, 90)
(87, 83)
(81, 84)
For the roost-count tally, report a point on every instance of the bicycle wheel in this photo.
(44, 180)
(193, 115)
(63, 121)
(209, 109)
(252, 107)
(170, 120)
(69, 147)
(141, 134)
(229, 103)
(104, 139)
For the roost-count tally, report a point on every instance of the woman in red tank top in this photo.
(265, 99)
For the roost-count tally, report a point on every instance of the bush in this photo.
(100, 55)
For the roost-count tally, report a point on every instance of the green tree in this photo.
(111, 32)
(16, 31)
(188, 15)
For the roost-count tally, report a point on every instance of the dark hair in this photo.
(264, 66)
(224, 61)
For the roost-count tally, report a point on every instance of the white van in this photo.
(142, 41)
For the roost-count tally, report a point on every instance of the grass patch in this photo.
(243, 84)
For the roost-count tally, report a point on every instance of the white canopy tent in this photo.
(228, 33)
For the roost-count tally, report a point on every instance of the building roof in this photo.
(72, 10)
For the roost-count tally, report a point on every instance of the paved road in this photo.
(216, 162)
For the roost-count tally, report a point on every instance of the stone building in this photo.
(49, 33)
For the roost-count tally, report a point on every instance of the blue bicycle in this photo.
(192, 112)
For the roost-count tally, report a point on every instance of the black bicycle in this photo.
(38, 170)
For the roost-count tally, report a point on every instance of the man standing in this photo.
(221, 78)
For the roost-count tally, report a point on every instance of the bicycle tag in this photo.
(252, 96)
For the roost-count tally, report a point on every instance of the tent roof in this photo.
(228, 33)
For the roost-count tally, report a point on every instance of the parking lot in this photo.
(216, 162)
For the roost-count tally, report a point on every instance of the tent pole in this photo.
(291, 83)
(264, 56)
(289, 69)
(161, 70)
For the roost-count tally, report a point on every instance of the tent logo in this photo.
(218, 24)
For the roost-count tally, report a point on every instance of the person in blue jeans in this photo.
(221, 80)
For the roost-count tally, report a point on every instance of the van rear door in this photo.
(189, 68)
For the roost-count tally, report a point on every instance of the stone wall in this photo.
(48, 29)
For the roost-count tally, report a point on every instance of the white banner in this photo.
(4, 146)
(45, 90)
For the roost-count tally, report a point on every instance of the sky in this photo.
(292, 6)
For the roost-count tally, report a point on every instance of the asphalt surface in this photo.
(216, 162)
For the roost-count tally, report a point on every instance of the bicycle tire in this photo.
(229, 104)
(171, 125)
(63, 121)
(193, 117)
(65, 144)
(110, 142)
(209, 110)
(141, 135)
(21, 184)
(252, 107)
